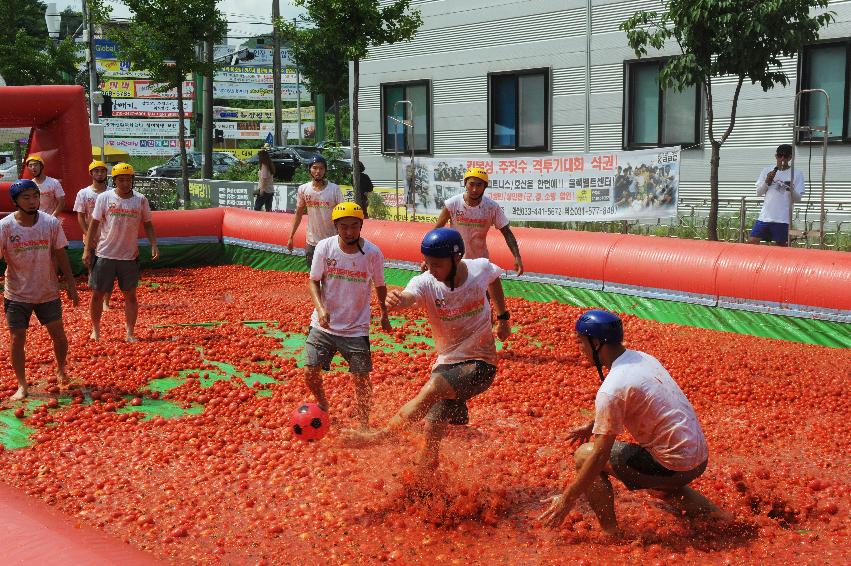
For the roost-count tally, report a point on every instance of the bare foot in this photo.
(131, 338)
(63, 378)
(106, 306)
(20, 394)
(351, 438)
(95, 335)
(613, 534)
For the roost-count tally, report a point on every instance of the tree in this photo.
(358, 25)
(323, 61)
(163, 38)
(741, 38)
(70, 22)
(27, 55)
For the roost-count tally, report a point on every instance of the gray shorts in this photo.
(104, 271)
(18, 314)
(321, 347)
(637, 469)
(308, 255)
(468, 379)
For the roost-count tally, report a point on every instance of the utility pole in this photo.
(93, 69)
(276, 70)
(209, 127)
(298, 100)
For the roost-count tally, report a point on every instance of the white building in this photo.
(497, 77)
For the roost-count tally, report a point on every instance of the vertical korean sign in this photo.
(627, 185)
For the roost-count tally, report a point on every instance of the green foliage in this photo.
(27, 55)
(242, 172)
(378, 209)
(727, 37)
(321, 59)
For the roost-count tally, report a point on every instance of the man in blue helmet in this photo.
(453, 294)
(33, 244)
(638, 395)
(316, 198)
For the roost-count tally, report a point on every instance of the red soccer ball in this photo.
(310, 423)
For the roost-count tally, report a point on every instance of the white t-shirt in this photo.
(473, 222)
(460, 319)
(50, 190)
(776, 205)
(30, 269)
(85, 203)
(120, 219)
(319, 206)
(346, 285)
(639, 395)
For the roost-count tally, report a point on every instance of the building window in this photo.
(394, 134)
(825, 66)
(519, 110)
(654, 117)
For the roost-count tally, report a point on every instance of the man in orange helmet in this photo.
(51, 193)
(115, 220)
(84, 205)
(472, 214)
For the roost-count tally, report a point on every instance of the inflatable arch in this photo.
(60, 132)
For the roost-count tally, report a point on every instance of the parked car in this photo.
(288, 158)
(222, 161)
(9, 171)
(342, 156)
(325, 143)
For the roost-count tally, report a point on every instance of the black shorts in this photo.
(637, 469)
(468, 379)
(18, 314)
(105, 271)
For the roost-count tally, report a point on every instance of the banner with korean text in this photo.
(627, 185)
(141, 127)
(149, 146)
(262, 114)
(149, 107)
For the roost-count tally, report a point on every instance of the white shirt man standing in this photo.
(52, 195)
(780, 190)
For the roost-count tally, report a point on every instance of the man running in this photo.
(33, 244)
(638, 395)
(51, 193)
(453, 293)
(344, 269)
(472, 214)
(84, 205)
(116, 218)
(317, 198)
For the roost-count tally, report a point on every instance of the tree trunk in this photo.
(208, 130)
(181, 137)
(360, 197)
(712, 221)
(338, 125)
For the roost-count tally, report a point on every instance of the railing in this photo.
(735, 217)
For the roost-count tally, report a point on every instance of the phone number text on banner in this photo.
(627, 185)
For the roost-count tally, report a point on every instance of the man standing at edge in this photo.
(317, 198)
(637, 395)
(50, 190)
(472, 214)
(775, 183)
(116, 217)
(33, 243)
(84, 205)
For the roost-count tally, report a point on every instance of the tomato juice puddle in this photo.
(186, 450)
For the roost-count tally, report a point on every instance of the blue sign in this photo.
(105, 49)
(269, 139)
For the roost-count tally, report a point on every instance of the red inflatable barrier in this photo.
(60, 133)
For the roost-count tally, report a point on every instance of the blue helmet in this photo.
(442, 242)
(20, 186)
(602, 325)
(317, 159)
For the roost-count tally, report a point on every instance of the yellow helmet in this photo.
(96, 164)
(35, 157)
(476, 172)
(122, 169)
(345, 210)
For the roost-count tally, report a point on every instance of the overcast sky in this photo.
(245, 17)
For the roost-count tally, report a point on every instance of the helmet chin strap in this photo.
(450, 280)
(356, 242)
(595, 351)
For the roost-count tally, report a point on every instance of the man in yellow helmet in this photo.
(84, 205)
(116, 218)
(472, 214)
(343, 271)
(50, 189)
